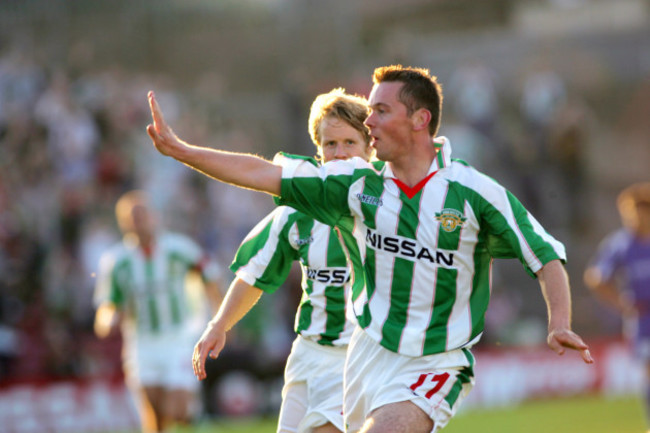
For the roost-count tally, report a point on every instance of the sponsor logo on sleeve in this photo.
(369, 199)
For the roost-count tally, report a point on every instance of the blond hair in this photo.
(352, 109)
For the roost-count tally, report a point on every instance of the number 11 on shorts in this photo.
(438, 379)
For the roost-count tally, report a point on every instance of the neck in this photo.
(145, 241)
(414, 166)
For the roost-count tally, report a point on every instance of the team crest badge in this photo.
(450, 219)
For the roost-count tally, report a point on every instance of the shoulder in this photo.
(298, 165)
(276, 222)
(466, 175)
(281, 216)
(116, 253)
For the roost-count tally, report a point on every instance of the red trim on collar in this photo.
(147, 251)
(410, 192)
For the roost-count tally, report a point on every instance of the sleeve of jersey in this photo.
(265, 256)
(197, 258)
(515, 233)
(319, 192)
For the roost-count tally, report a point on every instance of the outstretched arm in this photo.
(555, 288)
(241, 297)
(244, 170)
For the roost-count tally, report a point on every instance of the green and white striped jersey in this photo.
(151, 288)
(421, 283)
(266, 256)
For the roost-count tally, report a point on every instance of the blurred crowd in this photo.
(72, 141)
(70, 145)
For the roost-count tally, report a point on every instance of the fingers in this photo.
(198, 363)
(586, 356)
(151, 131)
(201, 352)
(156, 113)
(556, 346)
(561, 340)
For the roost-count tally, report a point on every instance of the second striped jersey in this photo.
(150, 286)
(266, 256)
(421, 257)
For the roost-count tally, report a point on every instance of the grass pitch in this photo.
(593, 414)
(586, 414)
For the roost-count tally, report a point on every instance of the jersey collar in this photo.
(442, 159)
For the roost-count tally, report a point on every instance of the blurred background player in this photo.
(142, 285)
(619, 274)
(312, 397)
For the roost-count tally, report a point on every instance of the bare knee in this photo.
(402, 417)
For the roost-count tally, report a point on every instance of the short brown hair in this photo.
(352, 109)
(420, 90)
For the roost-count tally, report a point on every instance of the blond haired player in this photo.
(312, 397)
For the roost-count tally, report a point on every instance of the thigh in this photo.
(402, 417)
(178, 403)
(377, 379)
(318, 371)
(293, 408)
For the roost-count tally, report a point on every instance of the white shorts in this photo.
(320, 368)
(375, 376)
(161, 360)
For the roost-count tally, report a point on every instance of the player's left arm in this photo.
(554, 282)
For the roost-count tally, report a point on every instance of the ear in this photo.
(421, 119)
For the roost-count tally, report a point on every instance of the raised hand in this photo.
(164, 139)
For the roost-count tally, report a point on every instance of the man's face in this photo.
(389, 124)
(339, 140)
(143, 221)
(643, 217)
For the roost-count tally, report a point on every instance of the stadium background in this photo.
(551, 97)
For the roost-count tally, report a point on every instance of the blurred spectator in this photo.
(543, 93)
(569, 137)
(474, 94)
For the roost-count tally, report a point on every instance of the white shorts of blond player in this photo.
(313, 387)
(375, 377)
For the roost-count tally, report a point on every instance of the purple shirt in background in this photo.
(622, 254)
